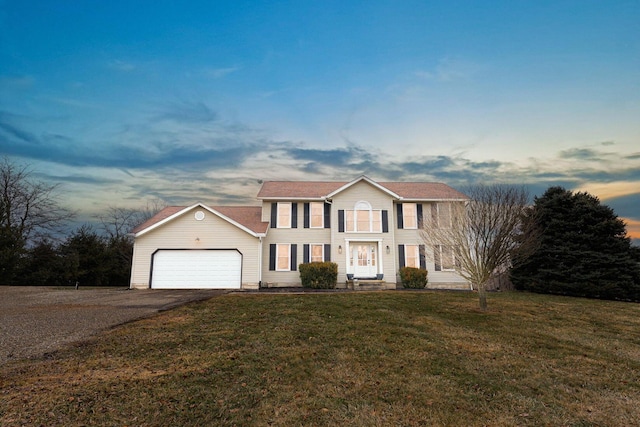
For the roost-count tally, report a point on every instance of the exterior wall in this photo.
(341, 242)
(437, 279)
(379, 200)
(181, 233)
(298, 236)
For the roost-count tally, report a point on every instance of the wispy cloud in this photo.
(21, 82)
(120, 65)
(450, 69)
(218, 73)
(187, 112)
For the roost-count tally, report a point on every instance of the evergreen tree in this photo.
(583, 251)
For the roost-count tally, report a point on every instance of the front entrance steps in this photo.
(369, 285)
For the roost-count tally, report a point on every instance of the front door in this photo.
(365, 263)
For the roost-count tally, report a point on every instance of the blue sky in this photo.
(121, 102)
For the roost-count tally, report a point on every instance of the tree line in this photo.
(32, 218)
(563, 243)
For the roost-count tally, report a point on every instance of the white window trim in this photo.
(311, 204)
(311, 245)
(415, 216)
(278, 224)
(288, 245)
(406, 256)
(450, 207)
(355, 218)
(440, 248)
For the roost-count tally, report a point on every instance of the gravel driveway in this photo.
(38, 320)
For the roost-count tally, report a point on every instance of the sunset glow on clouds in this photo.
(122, 102)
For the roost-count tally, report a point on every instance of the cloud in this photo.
(120, 65)
(10, 129)
(450, 69)
(19, 82)
(218, 73)
(187, 112)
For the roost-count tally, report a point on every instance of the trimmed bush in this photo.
(319, 275)
(413, 278)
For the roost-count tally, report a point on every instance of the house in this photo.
(369, 229)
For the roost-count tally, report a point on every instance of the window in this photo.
(284, 215)
(317, 214)
(445, 258)
(363, 219)
(317, 253)
(410, 215)
(411, 256)
(283, 257)
(441, 213)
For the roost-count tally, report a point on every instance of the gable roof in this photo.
(247, 218)
(310, 190)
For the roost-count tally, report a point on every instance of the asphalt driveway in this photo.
(38, 320)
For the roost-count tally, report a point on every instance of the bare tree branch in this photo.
(485, 235)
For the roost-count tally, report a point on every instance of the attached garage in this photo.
(196, 269)
(199, 247)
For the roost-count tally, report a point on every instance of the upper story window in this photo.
(317, 214)
(363, 219)
(410, 215)
(284, 215)
(441, 215)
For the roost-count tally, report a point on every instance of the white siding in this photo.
(185, 232)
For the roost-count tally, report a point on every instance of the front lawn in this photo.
(361, 359)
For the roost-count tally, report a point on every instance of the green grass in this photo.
(334, 359)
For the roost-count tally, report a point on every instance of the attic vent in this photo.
(199, 215)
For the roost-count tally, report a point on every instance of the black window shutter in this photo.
(341, 221)
(274, 215)
(423, 257)
(306, 215)
(327, 253)
(327, 215)
(294, 257)
(305, 253)
(385, 221)
(436, 257)
(401, 256)
(272, 257)
(294, 215)
(400, 221)
(419, 213)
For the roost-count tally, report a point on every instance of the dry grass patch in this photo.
(360, 359)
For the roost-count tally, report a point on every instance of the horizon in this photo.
(123, 103)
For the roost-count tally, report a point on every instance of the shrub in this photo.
(413, 278)
(319, 275)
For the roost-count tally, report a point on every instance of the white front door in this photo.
(365, 260)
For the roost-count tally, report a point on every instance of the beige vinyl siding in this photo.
(379, 200)
(437, 279)
(182, 232)
(298, 236)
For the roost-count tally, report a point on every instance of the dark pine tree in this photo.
(584, 250)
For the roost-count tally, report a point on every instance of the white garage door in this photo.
(196, 269)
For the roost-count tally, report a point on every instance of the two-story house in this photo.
(369, 229)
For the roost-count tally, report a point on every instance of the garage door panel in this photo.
(196, 269)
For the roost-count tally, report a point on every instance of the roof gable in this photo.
(247, 218)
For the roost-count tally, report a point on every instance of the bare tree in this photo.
(28, 207)
(119, 222)
(484, 237)
(29, 210)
